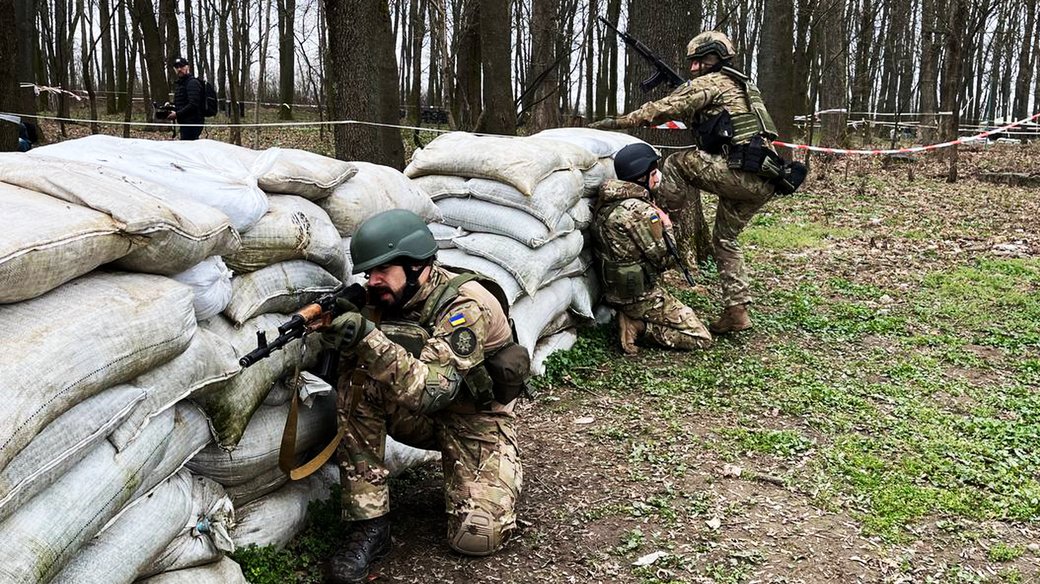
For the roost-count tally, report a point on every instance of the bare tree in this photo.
(834, 81)
(1026, 65)
(286, 58)
(774, 61)
(363, 81)
(9, 100)
(951, 87)
(155, 59)
(542, 95)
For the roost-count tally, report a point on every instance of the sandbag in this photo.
(293, 228)
(548, 203)
(264, 483)
(374, 189)
(283, 287)
(174, 232)
(90, 334)
(532, 313)
(582, 214)
(45, 533)
(280, 394)
(600, 143)
(586, 293)
(231, 408)
(220, 182)
(207, 364)
(594, 177)
(278, 517)
(577, 267)
(210, 282)
(298, 172)
(483, 217)
(63, 443)
(190, 434)
(257, 451)
(45, 242)
(522, 162)
(560, 341)
(457, 260)
(444, 234)
(529, 266)
(224, 571)
(398, 457)
(204, 537)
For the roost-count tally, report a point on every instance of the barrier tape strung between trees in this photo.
(909, 150)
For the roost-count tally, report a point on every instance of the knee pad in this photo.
(478, 534)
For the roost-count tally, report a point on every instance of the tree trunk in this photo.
(499, 115)
(1025, 65)
(124, 49)
(951, 88)
(363, 81)
(542, 95)
(196, 58)
(467, 67)
(85, 45)
(172, 32)
(833, 75)
(25, 17)
(418, 28)
(265, 37)
(286, 57)
(931, 48)
(774, 60)
(224, 59)
(155, 60)
(804, 54)
(9, 94)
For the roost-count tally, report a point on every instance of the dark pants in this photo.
(191, 132)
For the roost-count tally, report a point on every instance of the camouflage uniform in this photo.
(741, 194)
(628, 231)
(423, 402)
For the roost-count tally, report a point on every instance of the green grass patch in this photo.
(782, 443)
(1002, 552)
(792, 236)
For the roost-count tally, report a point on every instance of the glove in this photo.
(605, 124)
(346, 331)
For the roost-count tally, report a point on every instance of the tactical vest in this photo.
(501, 377)
(757, 120)
(625, 280)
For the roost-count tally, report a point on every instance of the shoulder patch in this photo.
(458, 319)
(463, 342)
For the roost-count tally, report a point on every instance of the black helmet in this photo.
(635, 161)
(390, 237)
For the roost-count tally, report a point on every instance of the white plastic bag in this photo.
(210, 281)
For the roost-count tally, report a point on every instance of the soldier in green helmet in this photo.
(734, 158)
(430, 361)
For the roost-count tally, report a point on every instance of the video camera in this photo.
(163, 111)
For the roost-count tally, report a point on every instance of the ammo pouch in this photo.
(794, 174)
(508, 369)
(716, 132)
(756, 158)
(626, 280)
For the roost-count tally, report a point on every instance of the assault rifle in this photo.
(663, 73)
(312, 317)
(673, 251)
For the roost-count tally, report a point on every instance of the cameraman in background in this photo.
(187, 107)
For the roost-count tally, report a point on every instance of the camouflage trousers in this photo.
(741, 194)
(479, 456)
(669, 323)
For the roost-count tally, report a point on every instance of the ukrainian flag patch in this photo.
(655, 218)
(457, 319)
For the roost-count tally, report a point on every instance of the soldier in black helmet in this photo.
(734, 158)
(430, 361)
(629, 231)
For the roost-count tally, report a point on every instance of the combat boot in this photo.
(368, 542)
(733, 319)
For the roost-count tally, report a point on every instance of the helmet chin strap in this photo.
(411, 282)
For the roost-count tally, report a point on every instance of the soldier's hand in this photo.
(605, 124)
(346, 331)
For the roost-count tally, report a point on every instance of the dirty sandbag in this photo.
(210, 281)
(283, 287)
(374, 189)
(90, 334)
(457, 260)
(532, 313)
(600, 143)
(45, 242)
(529, 266)
(483, 217)
(190, 434)
(293, 228)
(223, 571)
(276, 518)
(299, 172)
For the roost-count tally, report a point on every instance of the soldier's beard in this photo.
(385, 297)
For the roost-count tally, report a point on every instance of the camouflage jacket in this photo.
(463, 332)
(628, 227)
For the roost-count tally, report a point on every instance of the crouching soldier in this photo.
(430, 361)
(629, 231)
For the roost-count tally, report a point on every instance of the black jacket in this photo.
(188, 97)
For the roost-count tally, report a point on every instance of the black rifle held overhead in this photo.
(662, 74)
(307, 319)
(674, 252)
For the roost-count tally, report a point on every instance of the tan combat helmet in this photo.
(710, 42)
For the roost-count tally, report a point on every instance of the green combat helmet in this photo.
(391, 237)
(710, 42)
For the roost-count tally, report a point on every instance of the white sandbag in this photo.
(563, 321)
(210, 282)
(586, 293)
(374, 189)
(576, 267)
(220, 182)
(582, 214)
(278, 517)
(45, 242)
(349, 278)
(439, 186)
(224, 571)
(298, 172)
(444, 234)
(293, 229)
(90, 334)
(560, 341)
(594, 177)
(283, 287)
(483, 217)
(205, 536)
(230, 409)
(457, 260)
(529, 266)
(63, 443)
(175, 232)
(280, 394)
(600, 143)
(398, 457)
(532, 313)
(258, 450)
(190, 434)
(551, 198)
(207, 364)
(45, 533)
(266, 482)
(522, 162)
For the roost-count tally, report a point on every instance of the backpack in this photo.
(209, 98)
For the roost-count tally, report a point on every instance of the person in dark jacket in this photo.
(188, 96)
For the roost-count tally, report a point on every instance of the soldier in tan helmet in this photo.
(733, 159)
